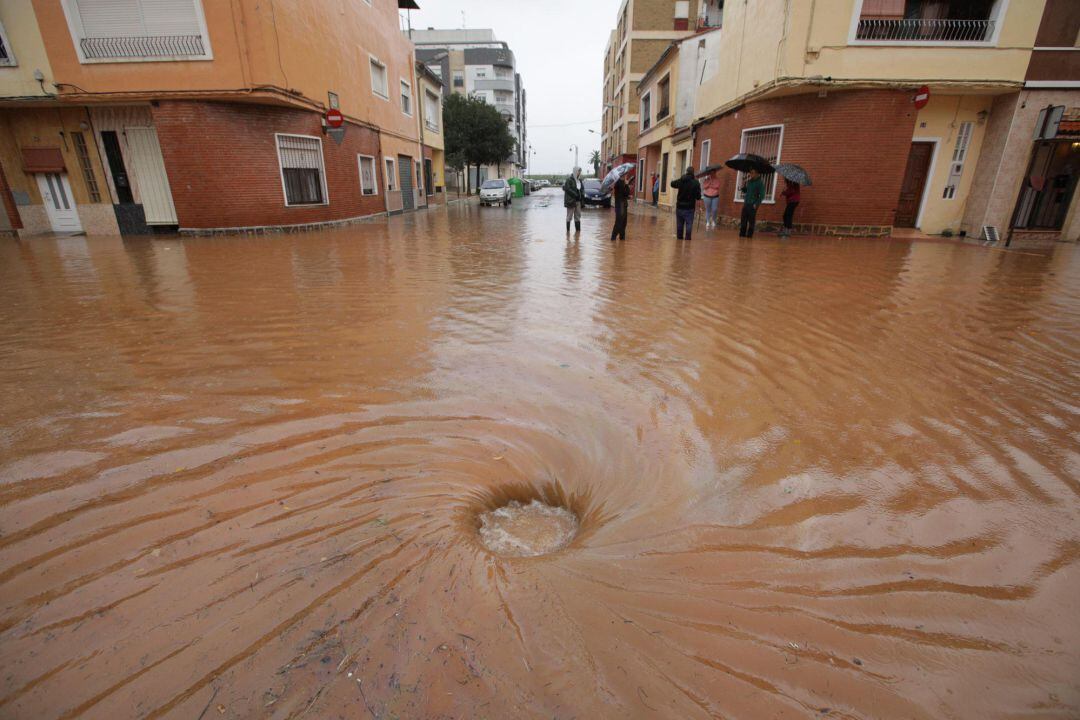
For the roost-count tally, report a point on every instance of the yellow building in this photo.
(203, 116)
(838, 86)
(431, 133)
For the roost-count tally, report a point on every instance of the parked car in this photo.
(593, 196)
(496, 192)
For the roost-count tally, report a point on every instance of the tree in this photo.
(474, 134)
(595, 160)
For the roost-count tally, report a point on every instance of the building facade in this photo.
(429, 106)
(475, 63)
(889, 104)
(643, 32)
(199, 116)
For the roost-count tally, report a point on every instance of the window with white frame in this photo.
(369, 183)
(646, 111)
(956, 168)
(303, 176)
(431, 111)
(378, 79)
(391, 175)
(7, 55)
(706, 149)
(137, 30)
(765, 141)
(406, 98)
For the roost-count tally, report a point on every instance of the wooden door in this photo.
(153, 181)
(915, 179)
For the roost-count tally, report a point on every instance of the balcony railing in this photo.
(924, 30)
(154, 46)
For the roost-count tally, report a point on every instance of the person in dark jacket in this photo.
(573, 198)
(655, 189)
(686, 202)
(753, 195)
(622, 206)
(791, 195)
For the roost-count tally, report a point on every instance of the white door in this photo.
(149, 170)
(59, 204)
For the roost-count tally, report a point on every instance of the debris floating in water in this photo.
(518, 530)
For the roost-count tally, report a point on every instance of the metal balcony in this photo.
(154, 46)
(924, 30)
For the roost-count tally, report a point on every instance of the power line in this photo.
(583, 122)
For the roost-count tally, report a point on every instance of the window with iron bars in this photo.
(302, 173)
(84, 164)
(766, 142)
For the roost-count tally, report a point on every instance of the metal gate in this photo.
(149, 169)
(405, 173)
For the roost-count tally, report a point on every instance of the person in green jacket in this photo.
(573, 198)
(753, 194)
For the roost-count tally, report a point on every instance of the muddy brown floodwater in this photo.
(245, 477)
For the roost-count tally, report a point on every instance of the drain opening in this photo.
(519, 529)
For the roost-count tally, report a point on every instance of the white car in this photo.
(496, 192)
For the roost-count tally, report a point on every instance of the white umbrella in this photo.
(615, 174)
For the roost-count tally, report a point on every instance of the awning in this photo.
(407, 5)
(43, 160)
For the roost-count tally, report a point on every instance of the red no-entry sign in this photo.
(922, 97)
(334, 118)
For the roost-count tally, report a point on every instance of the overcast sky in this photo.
(559, 48)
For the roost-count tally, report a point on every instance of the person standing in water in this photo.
(710, 190)
(621, 195)
(791, 195)
(573, 198)
(655, 189)
(686, 203)
(753, 195)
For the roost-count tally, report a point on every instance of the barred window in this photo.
(368, 183)
(302, 173)
(6, 56)
(766, 142)
(84, 164)
(391, 175)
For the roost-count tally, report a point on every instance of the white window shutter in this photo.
(111, 18)
(170, 17)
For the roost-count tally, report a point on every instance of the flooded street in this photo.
(246, 476)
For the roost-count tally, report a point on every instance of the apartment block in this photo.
(644, 30)
(137, 116)
(473, 62)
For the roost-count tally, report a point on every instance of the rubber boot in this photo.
(577, 226)
(567, 227)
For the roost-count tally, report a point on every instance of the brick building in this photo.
(201, 117)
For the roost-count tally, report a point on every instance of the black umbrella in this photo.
(745, 162)
(794, 173)
(709, 169)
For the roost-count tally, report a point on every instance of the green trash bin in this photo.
(519, 190)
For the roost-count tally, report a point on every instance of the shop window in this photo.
(766, 142)
(369, 184)
(302, 173)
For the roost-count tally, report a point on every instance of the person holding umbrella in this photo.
(753, 195)
(686, 202)
(794, 178)
(622, 193)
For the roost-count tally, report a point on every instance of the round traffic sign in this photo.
(922, 97)
(334, 118)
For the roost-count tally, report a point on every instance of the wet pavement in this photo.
(245, 476)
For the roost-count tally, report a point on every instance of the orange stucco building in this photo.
(205, 116)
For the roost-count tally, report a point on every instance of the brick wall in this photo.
(222, 163)
(854, 144)
(659, 14)
(645, 53)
